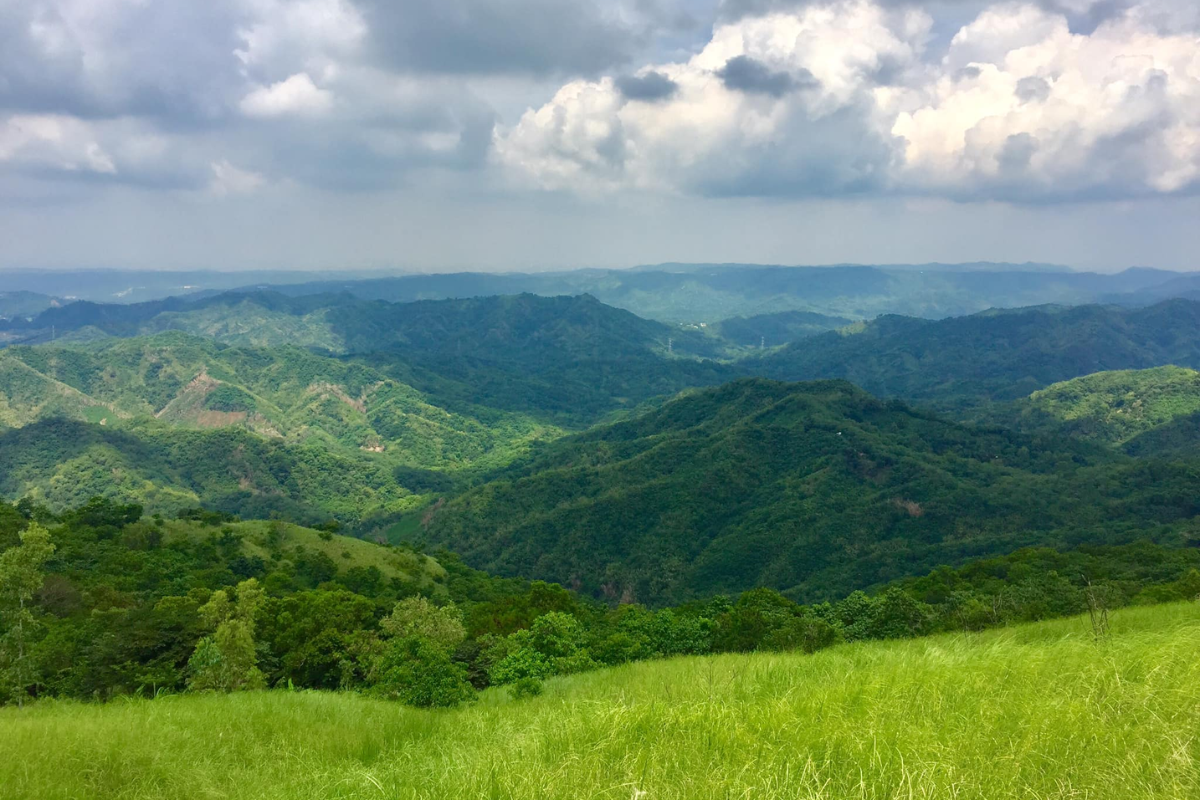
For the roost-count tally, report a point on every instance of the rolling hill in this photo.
(963, 363)
(814, 489)
(569, 360)
(284, 393)
(694, 293)
(1115, 408)
(63, 463)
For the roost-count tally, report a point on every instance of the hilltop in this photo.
(1116, 408)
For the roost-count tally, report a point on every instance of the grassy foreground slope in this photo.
(1034, 711)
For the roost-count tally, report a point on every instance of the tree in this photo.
(226, 660)
(416, 616)
(21, 577)
(418, 672)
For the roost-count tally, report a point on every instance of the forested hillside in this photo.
(964, 363)
(1115, 408)
(282, 393)
(814, 489)
(567, 360)
(62, 463)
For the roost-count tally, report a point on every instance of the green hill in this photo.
(63, 463)
(567, 360)
(963, 363)
(814, 489)
(1040, 710)
(285, 393)
(1111, 407)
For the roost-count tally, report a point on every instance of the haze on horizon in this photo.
(535, 134)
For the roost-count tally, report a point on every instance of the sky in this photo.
(541, 134)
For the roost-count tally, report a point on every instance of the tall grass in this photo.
(1039, 711)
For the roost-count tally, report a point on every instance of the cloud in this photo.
(536, 37)
(295, 95)
(649, 86)
(1113, 113)
(228, 179)
(53, 142)
(1031, 89)
(744, 74)
(1018, 107)
(733, 127)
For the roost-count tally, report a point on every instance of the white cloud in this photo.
(284, 36)
(819, 137)
(1018, 108)
(1116, 112)
(295, 95)
(53, 142)
(228, 179)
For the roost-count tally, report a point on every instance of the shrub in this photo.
(525, 687)
(420, 673)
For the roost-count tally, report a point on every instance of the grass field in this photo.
(1039, 711)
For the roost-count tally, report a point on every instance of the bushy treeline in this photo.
(100, 602)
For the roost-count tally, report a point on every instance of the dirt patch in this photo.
(220, 419)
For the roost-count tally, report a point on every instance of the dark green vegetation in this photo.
(814, 489)
(111, 603)
(62, 463)
(963, 364)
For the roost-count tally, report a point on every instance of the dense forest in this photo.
(813, 489)
(961, 364)
(101, 601)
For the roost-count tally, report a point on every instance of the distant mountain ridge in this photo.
(998, 356)
(710, 293)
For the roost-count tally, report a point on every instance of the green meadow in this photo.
(1047, 710)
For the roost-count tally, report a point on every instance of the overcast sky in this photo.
(515, 134)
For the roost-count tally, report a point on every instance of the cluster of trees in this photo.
(100, 602)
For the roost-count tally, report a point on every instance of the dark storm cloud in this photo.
(649, 87)
(745, 74)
